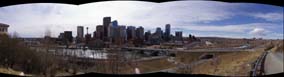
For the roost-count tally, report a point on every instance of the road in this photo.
(195, 50)
(273, 63)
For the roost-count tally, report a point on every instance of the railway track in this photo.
(258, 68)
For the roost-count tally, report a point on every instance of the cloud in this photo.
(25, 17)
(269, 16)
(258, 32)
(31, 19)
(239, 28)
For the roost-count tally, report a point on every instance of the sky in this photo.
(199, 18)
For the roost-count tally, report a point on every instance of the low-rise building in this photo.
(3, 28)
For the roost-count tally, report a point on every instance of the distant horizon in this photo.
(216, 19)
(185, 37)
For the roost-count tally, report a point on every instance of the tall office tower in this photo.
(159, 32)
(80, 31)
(167, 32)
(147, 35)
(106, 21)
(131, 32)
(110, 32)
(68, 36)
(122, 31)
(120, 35)
(94, 35)
(178, 36)
(99, 32)
(114, 23)
(140, 33)
(113, 28)
(80, 34)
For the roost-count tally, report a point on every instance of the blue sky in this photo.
(200, 18)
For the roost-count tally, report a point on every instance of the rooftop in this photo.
(3, 25)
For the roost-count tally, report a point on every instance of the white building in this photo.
(3, 28)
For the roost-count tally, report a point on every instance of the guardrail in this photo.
(259, 65)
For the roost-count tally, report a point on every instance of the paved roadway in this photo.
(274, 63)
(195, 50)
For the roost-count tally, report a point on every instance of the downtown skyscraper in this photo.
(140, 33)
(106, 22)
(131, 33)
(99, 32)
(167, 32)
(80, 34)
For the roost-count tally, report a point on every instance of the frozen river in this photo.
(96, 54)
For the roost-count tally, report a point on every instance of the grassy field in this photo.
(9, 71)
(229, 64)
(154, 65)
(279, 47)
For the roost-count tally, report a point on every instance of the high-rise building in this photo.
(178, 36)
(68, 36)
(110, 32)
(120, 35)
(131, 33)
(3, 28)
(113, 29)
(80, 32)
(99, 32)
(122, 31)
(140, 33)
(106, 22)
(167, 32)
(147, 35)
(114, 23)
(155, 39)
(94, 35)
(159, 32)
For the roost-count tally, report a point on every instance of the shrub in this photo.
(15, 55)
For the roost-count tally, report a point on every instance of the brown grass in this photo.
(9, 71)
(230, 64)
(154, 65)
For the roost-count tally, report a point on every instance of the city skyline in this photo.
(218, 19)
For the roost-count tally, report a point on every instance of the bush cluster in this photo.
(14, 54)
